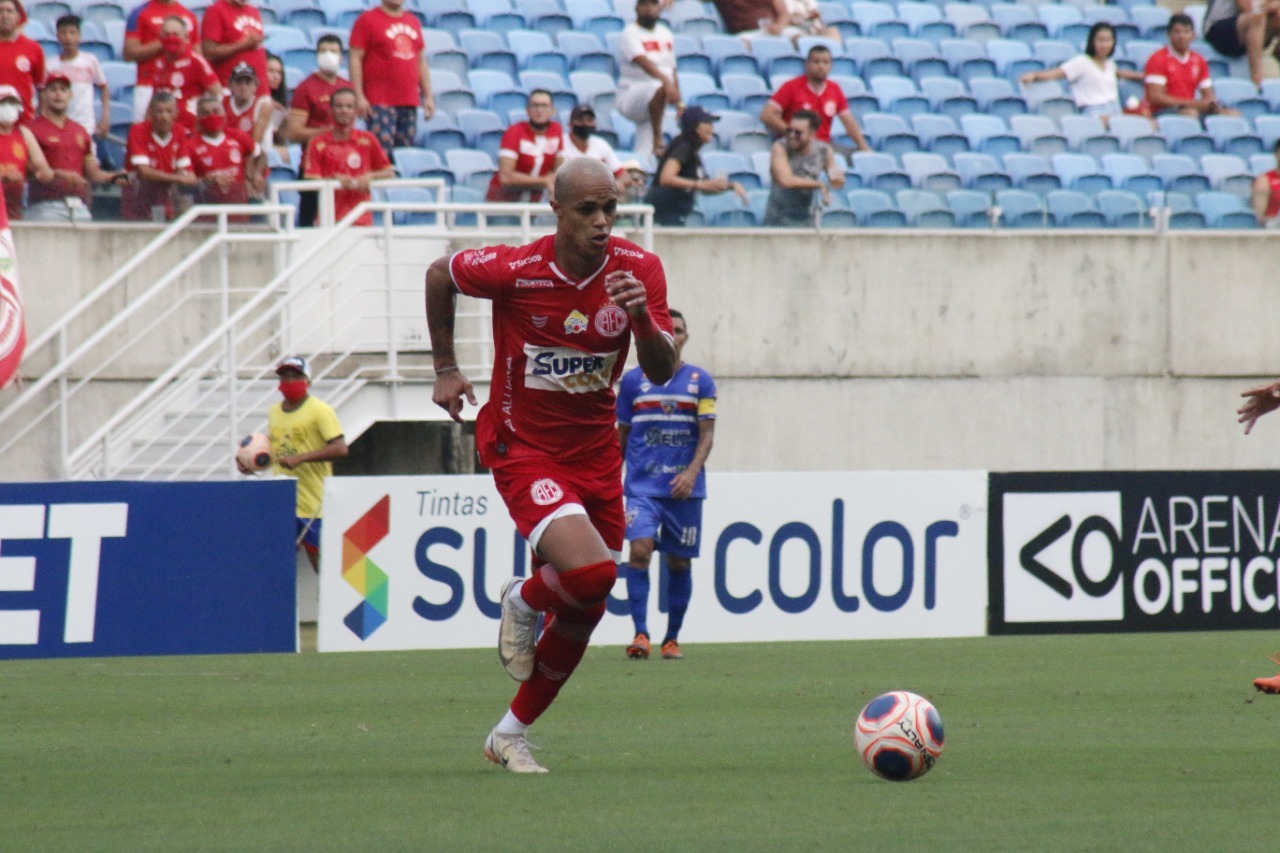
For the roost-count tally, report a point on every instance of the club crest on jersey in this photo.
(611, 321)
(668, 407)
(546, 492)
(353, 160)
(575, 323)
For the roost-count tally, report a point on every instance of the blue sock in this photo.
(638, 598)
(679, 591)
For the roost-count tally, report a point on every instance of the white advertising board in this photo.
(417, 562)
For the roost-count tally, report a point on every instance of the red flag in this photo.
(13, 333)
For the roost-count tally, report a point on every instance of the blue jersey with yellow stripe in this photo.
(664, 428)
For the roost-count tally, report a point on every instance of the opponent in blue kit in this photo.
(666, 432)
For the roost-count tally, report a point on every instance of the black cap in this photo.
(244, 69)
(582, 111)
(694, 116)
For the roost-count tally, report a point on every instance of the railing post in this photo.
(64, 421)
(393, 342)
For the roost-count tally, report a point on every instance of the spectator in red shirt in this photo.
(1266, 194)
(813, 91)
(529, 154)
(20, 154)
(233, 33)
(243, 108)
(354, 157)
(309, 113)
(1177, 78)
(68, 148)
(389, 73)
(142, 44)
(182, 73)
(227, 162)
(21, 59)
(158, 162)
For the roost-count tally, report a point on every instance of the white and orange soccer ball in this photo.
(254, 452)
(899, 736)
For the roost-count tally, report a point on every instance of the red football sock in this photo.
(576, 589)
(559, 652)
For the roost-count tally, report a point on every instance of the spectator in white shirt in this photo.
(647, 79)
(582, 141)
(85, 73)
(1093, 75)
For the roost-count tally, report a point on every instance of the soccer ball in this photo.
(254, 452)
(899, 736)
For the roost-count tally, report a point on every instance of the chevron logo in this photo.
(361, 572)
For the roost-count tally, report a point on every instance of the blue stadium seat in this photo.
(1032, 172)
(1233, 135)
(981, 172)
(925, 209)
(471, 168)
(1185, 136)
(1071, 209)
(729, 55)
(474, 123)
(1227, 173)
(1152, 21)
(1137, 136)
(988, 134)
(1088, 135)
(1058, 17)
(948, 96)
(1224, 210)
(1121, 209)
(1179, 173)
(939, 134)
(930, 172)
(119, 75)
(1012, 58)
(1131, 173)
(875, 209)
(1260, 164)
(412, 195)
(996, 96)
(879, 171)
(899, 95)
(341, 13)
(1021, 209)
(1018, 22)
(970, 208)
(282, 38)
(1053, 52)
(1242, 95)
(412, 162)
(1268, 130)
(746, 92)
(1038, 135)
(889, 134)
(967, 59)
(1080, 172)
(925, 20)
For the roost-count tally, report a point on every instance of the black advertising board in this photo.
(1133, 551)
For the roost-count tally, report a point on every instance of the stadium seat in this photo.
(1032, 172)
(411, 195)
(1071, 209)
(1268, 130)
(1017, 21)
(972, 21)
(930, 172)
(1241, 95)
(475, 123)
(724, 210)
(1038, 135)
(875, 209)
(939, 134)
(925, 21)
(411, 162)
(879, 171)
(996, 96)
(1152, 21)
(1053, 52)
(1087, 135)
(1057, 17)
(729, 55)
(1138, 52)
(1260, 164)
(1121, 209)
(970, 208)
(988, 134)
(471, 168)
(874, 58)
(1137, 136)
(1227, 173)
(889, 134)
(746, 92)
(981, 172)
(1021, 209)
(1081, 173)
(1233, 135)
(1179, 173)
(1131, 173)
(1184, 135)
(1224, 210)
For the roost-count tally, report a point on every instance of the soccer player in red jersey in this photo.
(1177, 78)
(1258, 402)
(182, 73)
(529, 154)
(813, 91)
(351, 155)
(142, 44)
(158, 161)
(21, 59)
(70, 152)
(19, 152)
(565, 309)
(390, 74)
(232, 33)
(227, 162)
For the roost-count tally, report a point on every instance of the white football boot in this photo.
(515, 633)
(511, 752)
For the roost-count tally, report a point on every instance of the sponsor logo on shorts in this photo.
(534, 282)
(575, 323)
(611, 321)
(546, 492)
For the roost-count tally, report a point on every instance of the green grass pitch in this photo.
(1148, 742)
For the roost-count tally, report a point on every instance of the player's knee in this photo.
(641, 553)
(590, 585)
(678, 564)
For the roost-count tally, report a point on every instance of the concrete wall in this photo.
(921, 350)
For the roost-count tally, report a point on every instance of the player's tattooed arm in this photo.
(451, 385)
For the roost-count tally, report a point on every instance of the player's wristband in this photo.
(644, 328)
(440, 370)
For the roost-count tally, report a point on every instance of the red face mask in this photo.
(173, 44)
(212, 124)
(293, 390)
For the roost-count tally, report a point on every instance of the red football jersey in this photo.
(187, 77)
(65, 148)
(225, 156)
(560, 345)
(165, 155)
(534, 153)
(1273, 198)
(144, 24)
(225, 23)
(796, 94)
(22, 67)
(1182, 78)
(328, 157)
(392, 48)
(13, 165)
(312, 97)
(243, 121)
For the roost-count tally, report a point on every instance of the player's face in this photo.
(1180, 36)
(58, 96)
(818, 66)
(344, 109)
(586, 217)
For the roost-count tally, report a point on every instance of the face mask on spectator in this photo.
(172, 44)
(582, 131)
(328, 61)
(212, 125)
(293, 390)
(9, 113)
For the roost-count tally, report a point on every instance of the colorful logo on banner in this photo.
(361, 572)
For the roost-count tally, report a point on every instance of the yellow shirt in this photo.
(309, 427)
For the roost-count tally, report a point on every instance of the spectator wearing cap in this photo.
(85, 73)
(232, 33)
(798, 163)
(306, 439)
(352, 156)
(20, 154)
(390, 74)
(638, 182)
(680, 175)
(813, 91)
(582, 141)
(21, 59)
(228, 162)
(529, 154)
(157, 161)
(647, 78)
(181, 72)
(245, 109)
(142, 44)
(68, 148)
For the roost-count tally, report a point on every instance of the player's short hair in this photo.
(67, 21)
(1180, 20)
(809, 116)
(817, 49)
(676, 315)
(328, 38)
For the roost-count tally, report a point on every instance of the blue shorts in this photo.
(308, 535)
(675, 526)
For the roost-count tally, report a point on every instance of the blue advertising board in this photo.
(91, 569)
